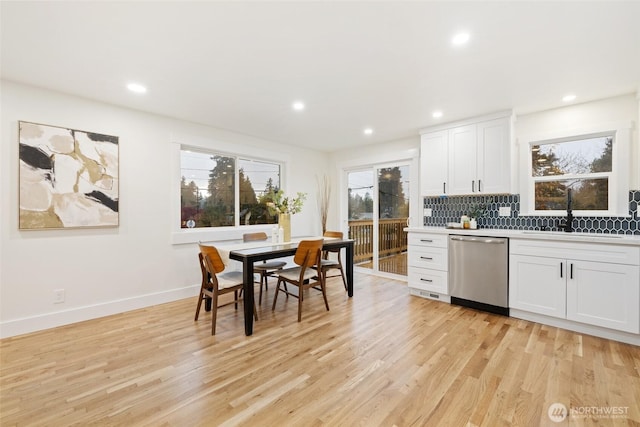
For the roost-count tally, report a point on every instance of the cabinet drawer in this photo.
(430, 240)
(617, 254)
(425, 257)
(428, 280)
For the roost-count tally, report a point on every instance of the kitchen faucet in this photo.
(567, 224)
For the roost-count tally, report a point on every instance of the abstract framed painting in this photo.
(68, 178)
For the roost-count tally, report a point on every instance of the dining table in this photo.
(267, 250)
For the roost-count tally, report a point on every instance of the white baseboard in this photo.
(582, 328)
(27, 325)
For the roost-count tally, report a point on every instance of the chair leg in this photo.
(200, 298)
(263, 277)
(275, 296)
(255, 311)
(300, 298)
(324, 293)
(214, 312)
(235, 296)
(344, 279)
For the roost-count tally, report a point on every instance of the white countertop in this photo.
(614, 239)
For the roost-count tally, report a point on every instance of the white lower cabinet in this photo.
(428, 266)
(536, 285)
(605, 294)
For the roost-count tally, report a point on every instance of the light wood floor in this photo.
(396, 264)
(382, 358)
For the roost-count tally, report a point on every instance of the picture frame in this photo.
(68, 178)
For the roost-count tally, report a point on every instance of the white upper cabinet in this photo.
(472, 158)
(462, 160)
(433, 170)
(494, 162)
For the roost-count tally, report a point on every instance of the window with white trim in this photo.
(224, 190)
(592, 165)
(583, 165)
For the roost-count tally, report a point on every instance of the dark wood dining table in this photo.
(279, 250)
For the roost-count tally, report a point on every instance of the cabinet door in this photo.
(433, 164)
(538, 285)
(494, 161)
(604, 294)
(462, 160)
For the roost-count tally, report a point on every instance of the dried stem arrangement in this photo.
(324, 196)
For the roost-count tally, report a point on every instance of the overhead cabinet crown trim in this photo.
(466, 122)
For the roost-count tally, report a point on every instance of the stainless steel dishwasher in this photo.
(479, 272)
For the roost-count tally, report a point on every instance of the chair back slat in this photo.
(308, 252)
(254, 237)
(335, 234)
(212, 253)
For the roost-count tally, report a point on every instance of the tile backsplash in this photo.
(450, 208)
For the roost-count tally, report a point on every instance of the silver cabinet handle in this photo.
(473, 186)
(426, 257)
(479, 182)
(426, 280)
(426, 240)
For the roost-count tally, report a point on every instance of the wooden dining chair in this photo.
(304, 276)
(326, 263)
(216, 283)
(265, 269)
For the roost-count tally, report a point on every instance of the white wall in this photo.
(580, 116)
(105, 271)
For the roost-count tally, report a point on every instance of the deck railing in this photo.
(392, 240)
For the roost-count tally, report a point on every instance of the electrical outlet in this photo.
(505, 211)
(58, 296)
(428, 212)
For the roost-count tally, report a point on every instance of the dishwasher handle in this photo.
(499, 241)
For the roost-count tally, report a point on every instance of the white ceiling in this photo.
(386, 65)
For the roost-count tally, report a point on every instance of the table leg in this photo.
(349, 253)
(247, 280)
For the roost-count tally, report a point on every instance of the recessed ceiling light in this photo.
(568, 98)
(437, 114)
(368, 131)
(460, 39)
(298, 106)
(137, 88)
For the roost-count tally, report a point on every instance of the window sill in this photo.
(189, 236)
(576, 214)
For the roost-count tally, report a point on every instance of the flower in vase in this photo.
(281, 204)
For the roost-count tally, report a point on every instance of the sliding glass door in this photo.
(378, 211)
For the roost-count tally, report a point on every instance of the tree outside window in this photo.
(212, 183)
(584, 165)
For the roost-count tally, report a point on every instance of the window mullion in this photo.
(568, 177)
(236, 191)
